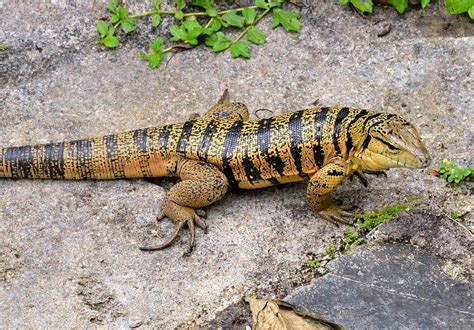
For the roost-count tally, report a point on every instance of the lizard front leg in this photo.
(319, 192)
(202, 184)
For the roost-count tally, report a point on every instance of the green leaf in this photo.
(156, 4)
(193, 30)
(399, 5)
(256, 36)
(424, 3)
(249, 15)
(128, 24)
(262, 4)
(155, 20)
(216, 25)
(203, 3)
(154, 60)
(115, 18)
(364, 6)
(179, 15)
(222, 43)
(288, 19)
(344, 2)
(156, 45)
(122, 12)
(178, 33)
(274, 4)
(232, 19)
(102, 28)
(458, 6)
(211, 12)
(218, 42)
(110, 41)
(180, 4)
(471, 12)
(112, 6)
(119, 15)
(240, 48)
(187, 32)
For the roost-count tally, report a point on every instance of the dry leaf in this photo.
(278, 315)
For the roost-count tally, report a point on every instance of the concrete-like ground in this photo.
(69, 255)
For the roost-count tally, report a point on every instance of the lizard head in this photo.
(392, 142)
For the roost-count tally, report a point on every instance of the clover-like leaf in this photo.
(187, 32)
(211, 12)
(458, 6)
(177, 32)
(120, 14)
(102, 28)
(112, 6)
(180, 4)
(262, 4)
(365, 6)
(218, 42)
(128, 24)
(156, 45)
(288, 19)
(256, 36)
(249, 15)
(240, 49)
(399, 5)
(155, 20)
(179, 15)
(110, 41)
(203, 3)
(424, 3)
(153, 59)
(233, 19)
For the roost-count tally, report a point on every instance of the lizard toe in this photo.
(335, 213)
(187, 216)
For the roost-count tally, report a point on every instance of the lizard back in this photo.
(251, 153)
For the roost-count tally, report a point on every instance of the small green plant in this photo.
(368, 221)
(451, 172)
(365, 223)
(329, 251)
(351, 237)
(202, 24)
(457, 214)
(313, 264)
(452, 6)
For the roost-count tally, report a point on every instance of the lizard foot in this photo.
(335, 213)
(188, 216)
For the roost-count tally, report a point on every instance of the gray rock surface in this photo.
(389, 286)
(68, 249)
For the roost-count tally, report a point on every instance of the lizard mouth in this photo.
(382, 161)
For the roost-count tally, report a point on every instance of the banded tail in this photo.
(134, 154)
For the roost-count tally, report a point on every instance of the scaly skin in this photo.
(224, 148)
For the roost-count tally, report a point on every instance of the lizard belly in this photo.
(262, 183)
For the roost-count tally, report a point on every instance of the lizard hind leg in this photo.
(202, 184)
(224, 110)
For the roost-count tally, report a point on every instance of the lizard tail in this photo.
(124, 155)
(2, 165)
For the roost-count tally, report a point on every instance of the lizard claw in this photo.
(195, 219)
(336, 213)
(200, 212)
